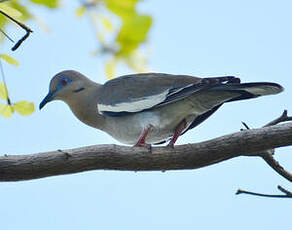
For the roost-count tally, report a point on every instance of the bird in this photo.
(150, 108)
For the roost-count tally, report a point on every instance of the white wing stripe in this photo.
(180, 89)
(134, 106)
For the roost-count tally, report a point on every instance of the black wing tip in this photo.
(221, 80)
(276, 85)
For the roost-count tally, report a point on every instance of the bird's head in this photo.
(64, 85)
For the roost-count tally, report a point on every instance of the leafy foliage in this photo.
(3, 91)
(48, 3)
(9, 59)
(120, 31)
(22, 107)
(132, 32)
(11, 11)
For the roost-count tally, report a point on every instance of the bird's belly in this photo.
(127, 129)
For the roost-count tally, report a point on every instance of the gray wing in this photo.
(138, 92)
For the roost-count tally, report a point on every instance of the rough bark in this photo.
(114, 157)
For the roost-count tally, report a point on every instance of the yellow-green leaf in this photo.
(10, 11)
(110, 68)
(9, 59)
(26, 14)
(80, 11)
(24, 107)
(122, 8)
(106, 23)
(42, 24)
(6, 110)
(100, 37)
(48, 3)
(133, 32)
(3, 91)
(137, 62)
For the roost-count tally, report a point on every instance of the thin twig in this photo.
(280, 119)
(267, 155)
(270, 160)
(20, 41)
(288, 193)
(284, 190)
(23, 26)
(245, 125)
(4, 81)
(6, 35)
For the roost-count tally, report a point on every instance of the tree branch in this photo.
(23, 26)
(269, 159)
(267, 155)
(284, 117)
(114, 157)
(288, 194)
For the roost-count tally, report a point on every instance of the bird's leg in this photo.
(142, 139)
(177, 132)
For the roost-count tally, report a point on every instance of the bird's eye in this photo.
(64, 81)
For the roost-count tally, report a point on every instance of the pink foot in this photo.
(179, 129)
(142, 139)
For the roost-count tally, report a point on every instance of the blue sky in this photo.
(249, 39)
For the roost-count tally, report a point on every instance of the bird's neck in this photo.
(84, 106)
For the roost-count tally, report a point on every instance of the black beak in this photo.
(47, 99)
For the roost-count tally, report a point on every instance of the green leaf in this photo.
(9, 59)
(21, 8)
(100, 37)
(137, 62)
(10, 11)
(23, 13)
(106, 23)
(6, 110)
(3, 91)
(122, 8)
(80, 11)
(24, 108)
(110, 68)
(133, 32)
(48, 3)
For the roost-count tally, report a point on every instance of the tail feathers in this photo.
(261, 88)
(250, 90)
